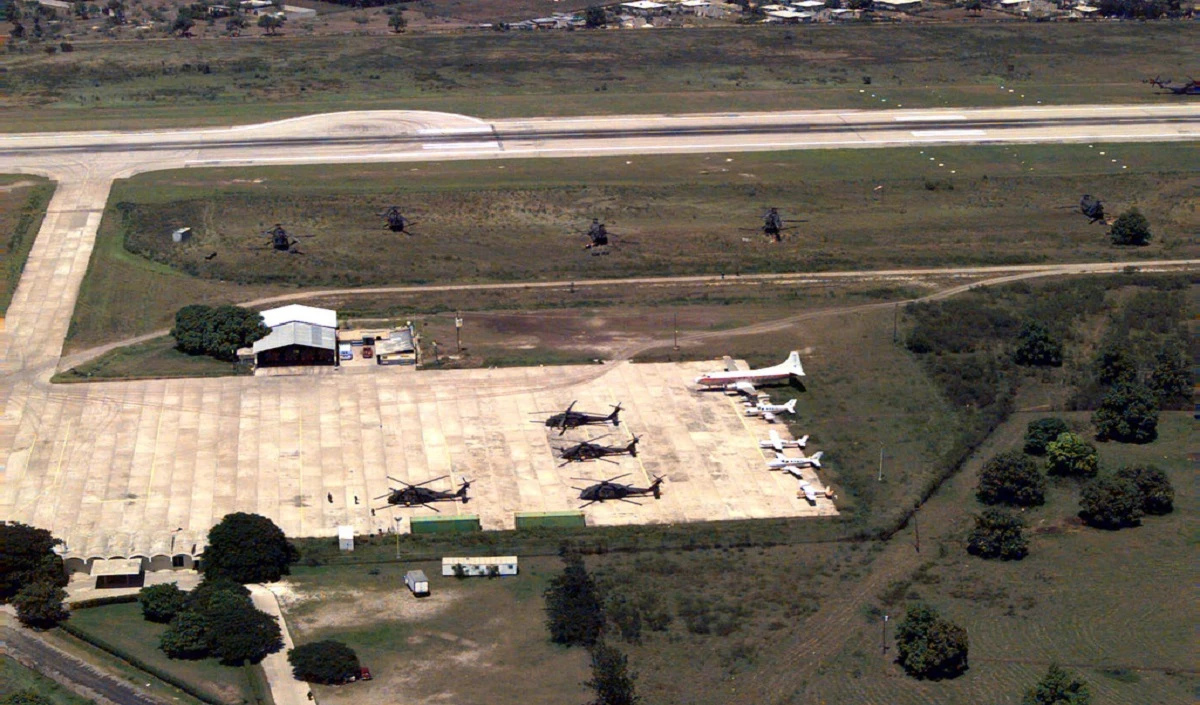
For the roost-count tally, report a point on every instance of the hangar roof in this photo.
(295, 313)
(304, 334)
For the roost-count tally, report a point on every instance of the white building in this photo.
(481, 565)
(345, 538)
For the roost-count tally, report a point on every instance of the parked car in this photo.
(365, 675)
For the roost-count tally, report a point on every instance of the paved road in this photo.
(285, 689)
(57, 664)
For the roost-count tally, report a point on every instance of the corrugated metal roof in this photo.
(417, 575)
(296, 313)
(479, 560)
(304, 334)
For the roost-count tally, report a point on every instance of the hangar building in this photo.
(300, 335)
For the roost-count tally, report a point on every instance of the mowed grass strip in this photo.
(15, 677)
(23, 203)
(123, 627)
(523, 74)
(156, 358)
(519, 220)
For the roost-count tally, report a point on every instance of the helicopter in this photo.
(611, 489)
(773, 225)
(396, 222)
(1192, 87)
(419, 495)
(282, 241)
(601, 239)
(574, 419)
(1092, 207)
(590, 450)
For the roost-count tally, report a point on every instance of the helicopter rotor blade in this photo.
(618, 477)
(395, 480)
(443, 477)
(630, 501)
(608, 461)
(430, 506)
(389, 494)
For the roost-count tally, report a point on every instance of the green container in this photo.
(445, 525)
(551, 520)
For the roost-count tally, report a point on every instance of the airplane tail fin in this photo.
(802, 441)
(790, 406)
(816, 458)
(793, 362)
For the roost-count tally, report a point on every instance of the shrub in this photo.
(1041, 432)
(1058, 687)
(327, 662)
(1111, 502)
(27, 556)
(998, 534)
(160, 603)
(1128, 414)
(1011, 478)
(1072, 456)
(40, 604)
(574, 614)
(186, 636)
(1158, 496)
(1036, 347)
(1130, 228)
(25, 697)
(929, 646)
(217, 332)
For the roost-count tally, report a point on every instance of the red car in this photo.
(365, 675)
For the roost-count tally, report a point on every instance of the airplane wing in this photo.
(769, 417)
(809, 494)
(730, 365)
(745, 388)
(776, 441)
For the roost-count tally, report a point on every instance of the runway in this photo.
(129, 468)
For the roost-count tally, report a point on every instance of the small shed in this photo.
(398, 348)
(417, 582)
(181, 235)
(119, 573)
(480, 565)
(345, 538)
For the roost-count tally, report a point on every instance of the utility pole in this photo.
(917, 529)
(457, 331)
(676, 331)
(895, 323)
(883, 636)
(881, 463)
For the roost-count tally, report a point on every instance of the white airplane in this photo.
(769, 411)
(809, 493)
(734, 380)
(793, 464)
(779, 444)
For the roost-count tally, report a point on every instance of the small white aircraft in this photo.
(779, 443)
(789, 463)
(809, 493)
(735, 380)
(769, 411)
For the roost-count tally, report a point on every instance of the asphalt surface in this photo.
(52, 662)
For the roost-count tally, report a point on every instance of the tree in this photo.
(40, 604)
(611, 678)
(1158, 496)
(183, 22)
(25, 697)
(1127, 414)
(1130, 228)
(1171, 379)
(998, 534)
(1058, 687)
(594, 17)
(1036, 347)
(1114, 364)
(247, 548)
(1011, 478)
(217, 332)
(1070, 455)
(326, 662)
(1039, 433)
(186, 637)
(397, 21)
(235, 24)
(160, 603)
(27, 556)
(270, 22)
(574, 614)
(929, 646)
(623, 613)
(1110, 502)
(242, 634)
(974, 6)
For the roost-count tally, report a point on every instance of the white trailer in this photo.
(417, 582)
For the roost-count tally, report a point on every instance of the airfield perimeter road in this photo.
(139, 460)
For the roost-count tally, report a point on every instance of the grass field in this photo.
(211, 82)
(156, 358)
(22, 206)
(478, 222)
(15, 677)
(122, 626)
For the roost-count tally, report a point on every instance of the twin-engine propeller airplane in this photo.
(778, 443)
(793, 464)
(768, 411)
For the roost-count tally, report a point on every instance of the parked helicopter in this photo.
(282, 241)
(1092, 207)
(419, 495)
(609, 489)
(574, 419)
(1192, 87)
(601, 240)
(589, 450)
(773, 225)
(396, 222)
